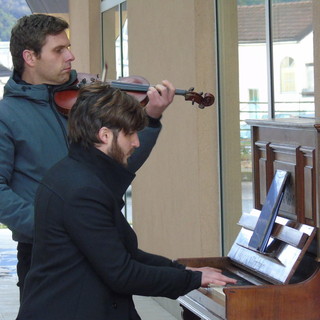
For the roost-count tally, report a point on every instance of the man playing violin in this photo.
(33, 134)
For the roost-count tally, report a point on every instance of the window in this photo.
(287, 75)
(115, 38)
(275, 43)
(9, 15)
(115, 55)
(253, 95)
(308, 90)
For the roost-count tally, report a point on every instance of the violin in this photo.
(133, 85)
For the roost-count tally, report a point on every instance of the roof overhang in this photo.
(48, 6)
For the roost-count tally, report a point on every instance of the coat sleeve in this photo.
(15, 212)
(89, 221)
(156, 260)
(148, 138)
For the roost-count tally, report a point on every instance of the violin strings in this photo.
(130, 86)
(140, 87)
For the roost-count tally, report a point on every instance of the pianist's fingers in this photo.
(211, 276)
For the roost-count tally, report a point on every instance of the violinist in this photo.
(33, 134)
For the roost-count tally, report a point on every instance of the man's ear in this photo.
(29, 57)
(105, 135)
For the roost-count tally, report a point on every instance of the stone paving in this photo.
(9, 292)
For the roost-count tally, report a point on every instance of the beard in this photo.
(117, 154)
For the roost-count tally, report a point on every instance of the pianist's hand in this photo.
(212, 276)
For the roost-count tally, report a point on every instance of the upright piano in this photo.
(283, 283)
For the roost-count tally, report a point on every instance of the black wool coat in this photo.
(86, 261)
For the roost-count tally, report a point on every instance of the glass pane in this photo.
(115, 41)
(10, 13)
(115, 55)
(253, 83)
(110, 32)
(292, 34)
(122, 44)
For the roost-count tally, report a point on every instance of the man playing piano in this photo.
(86, 260)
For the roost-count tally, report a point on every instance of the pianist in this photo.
(86, 261)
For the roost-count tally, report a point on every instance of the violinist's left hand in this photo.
(159, 97)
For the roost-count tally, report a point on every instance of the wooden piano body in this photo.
(298, 301)
(293, 290)
(284, 284)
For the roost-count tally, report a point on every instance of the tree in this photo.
(10, 11)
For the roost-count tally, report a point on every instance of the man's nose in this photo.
(135, 140)
(70, 56)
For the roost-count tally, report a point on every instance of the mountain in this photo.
(10, 11)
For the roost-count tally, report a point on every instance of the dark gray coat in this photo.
(86, 263)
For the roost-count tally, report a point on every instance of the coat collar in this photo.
(73, 77)
(16, 87)
(109, 171)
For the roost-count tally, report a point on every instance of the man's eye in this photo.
(60, 50)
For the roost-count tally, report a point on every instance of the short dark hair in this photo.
(30, 33)
(99, 105)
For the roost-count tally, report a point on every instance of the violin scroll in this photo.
(203, 100)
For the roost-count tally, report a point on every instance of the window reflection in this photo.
(292, 35)
(292, 62)
(115, 41)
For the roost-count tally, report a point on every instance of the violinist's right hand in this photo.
(212, 276)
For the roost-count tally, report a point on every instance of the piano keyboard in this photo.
(240, 281)
(218, 290)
